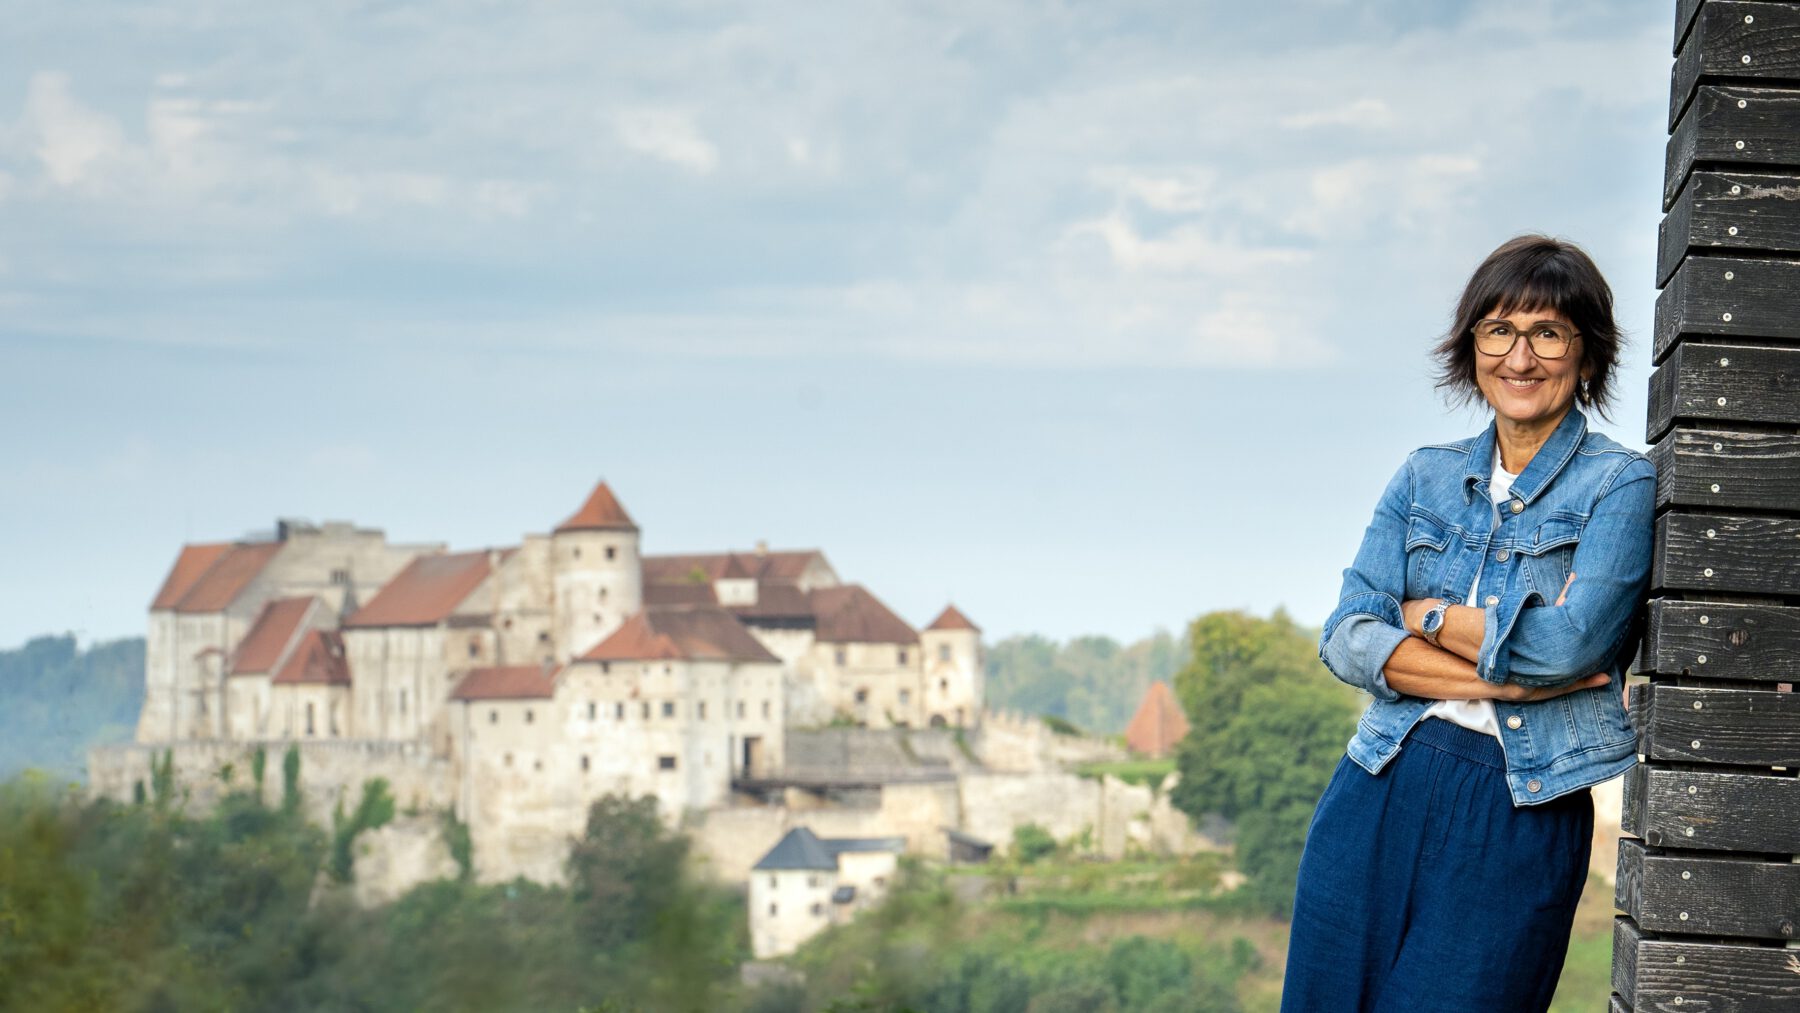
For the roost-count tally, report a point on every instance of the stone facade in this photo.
(513, 686)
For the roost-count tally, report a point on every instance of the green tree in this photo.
(1267, 725)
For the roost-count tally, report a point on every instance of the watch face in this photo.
(1433, 619)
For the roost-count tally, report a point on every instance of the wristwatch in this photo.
(1433, 623)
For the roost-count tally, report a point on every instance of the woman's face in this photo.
(1521, 387)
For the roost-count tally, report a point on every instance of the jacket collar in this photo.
(1545, 465)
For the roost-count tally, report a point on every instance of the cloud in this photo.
(1364, 113)
(666, 135)
(74, 143)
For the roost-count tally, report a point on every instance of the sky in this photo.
(1089, 317)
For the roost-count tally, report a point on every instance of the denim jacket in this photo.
(1583, 505)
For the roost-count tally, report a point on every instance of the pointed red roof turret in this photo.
(951, 619)
(1159, 722)
(601, 512)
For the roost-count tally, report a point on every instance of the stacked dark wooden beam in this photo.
(1709, 882)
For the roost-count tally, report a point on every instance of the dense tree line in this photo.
(1267, 726)
(146, 907)
(57, 699)
(1095, 683)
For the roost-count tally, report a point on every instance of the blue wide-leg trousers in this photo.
(1424, 888)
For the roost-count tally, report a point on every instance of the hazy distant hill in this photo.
(1094, 682)
(56, 700)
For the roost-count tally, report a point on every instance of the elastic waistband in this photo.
(1452, 738)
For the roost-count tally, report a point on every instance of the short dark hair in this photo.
(1526, 273)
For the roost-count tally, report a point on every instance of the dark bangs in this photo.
(1534, 273)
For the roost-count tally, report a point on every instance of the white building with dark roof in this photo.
(807, 883)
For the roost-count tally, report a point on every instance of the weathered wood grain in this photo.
(1618, 1005)
(1709, 895)
(1732, 125)
(1631, 807)
(1750, 728)
(1729, 213)
(1722, 469)
(1732, 297)
(1666, 974)
(1740, 642)
(1725, 383)
(1726, 554)
(1725, 33)
(1715, 810)
(1685, 12)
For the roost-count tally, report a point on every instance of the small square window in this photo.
(765, 708)
(593, 710)
(700, 710)
(668, 708)
(902, 655)
(840, 657)
(665, 762)
(818, 909)
(618, 712)
(612, 552)
(771, 907)
(493, 717)
(474, 648)
(812, 881)
(740, 708)
(529, 717)
(943, 652)
(509, 759)
(605, 667)
(584, 763)
(862, 694)
(646, 710)
(906, 696)
(340, 577)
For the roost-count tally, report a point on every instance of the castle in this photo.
(571, 661)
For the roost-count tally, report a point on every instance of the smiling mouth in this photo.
(1521, 384)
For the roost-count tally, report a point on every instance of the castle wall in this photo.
(330, 771)
(887, 677)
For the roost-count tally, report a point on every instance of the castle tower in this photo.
(955, 672)
(597, 573)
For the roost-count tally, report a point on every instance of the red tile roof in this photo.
(849, 614)
(952, 619)
(193, 561)
(679, 594)
(785, 567)
(220, 585)
(270, 635)
(521, 682)
(1158, 724)
(699, 633)
(426, 592)
(776, 601)
(318, 659)
(601, 512)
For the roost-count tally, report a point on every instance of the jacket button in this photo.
(1533, 785)
(1502, 555)
(1514, 722)
(1493, 599)
(1517, 505)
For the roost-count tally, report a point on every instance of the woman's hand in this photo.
(1418, 669)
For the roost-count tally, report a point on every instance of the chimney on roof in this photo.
(762, 547)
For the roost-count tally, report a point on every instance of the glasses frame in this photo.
(1530, 342)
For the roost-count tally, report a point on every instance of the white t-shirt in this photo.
(1477, 714)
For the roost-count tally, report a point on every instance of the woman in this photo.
(1489, 612)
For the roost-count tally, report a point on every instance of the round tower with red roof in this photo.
(597, 571)
(955, 679)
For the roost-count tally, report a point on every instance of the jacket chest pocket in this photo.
(1427, 543)
(1549, 555)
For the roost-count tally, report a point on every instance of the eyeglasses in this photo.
(1547, 338)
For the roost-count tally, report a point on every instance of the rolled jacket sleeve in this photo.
(1362, 632)
(1531, 641)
